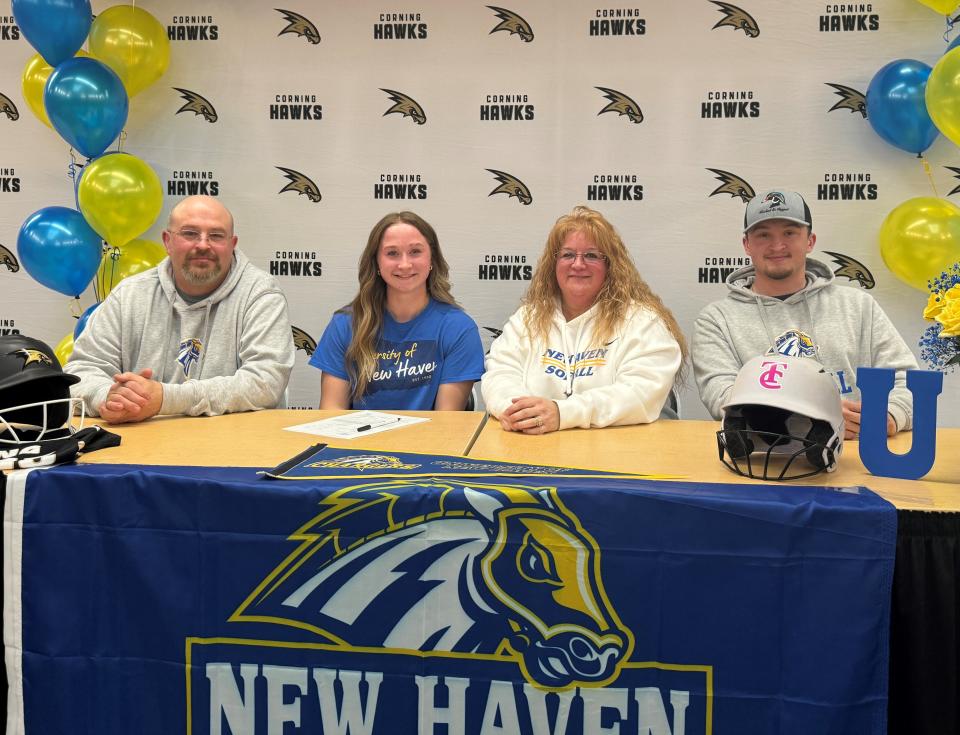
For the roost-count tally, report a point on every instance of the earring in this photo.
(430, 268)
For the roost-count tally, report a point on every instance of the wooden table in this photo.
(688, 450)
(258, 439)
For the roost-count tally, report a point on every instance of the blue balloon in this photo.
(953, 44)
(59, 249)
(55, 28)
(82, 321)
(896, 108)
(87, 104)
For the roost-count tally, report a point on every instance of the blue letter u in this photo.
(875, 385)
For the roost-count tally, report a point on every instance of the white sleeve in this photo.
(504, 378)
(648, 361)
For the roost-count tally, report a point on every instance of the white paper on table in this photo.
(355, 425)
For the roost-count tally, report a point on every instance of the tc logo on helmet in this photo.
(770, 378)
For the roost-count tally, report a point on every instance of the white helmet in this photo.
(786, 406)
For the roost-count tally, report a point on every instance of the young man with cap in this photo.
(789, 304)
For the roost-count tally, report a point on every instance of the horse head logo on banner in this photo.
(433, 565)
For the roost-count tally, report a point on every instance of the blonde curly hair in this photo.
(622, 288)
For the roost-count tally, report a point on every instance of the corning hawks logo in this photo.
(621, 104)
(298, 25)
(850, 99)
(511, 186)
(496, 333)
(303, 341)
(9, 260)
(364, 462)
(956, 175)
(189, 354)
(300, 184)
(852, 269)
(32, 356)
(8, 108)
(512, 23)
(527, 584)
(197, 104)
(733, 185)
(737, 18)
(406, 106)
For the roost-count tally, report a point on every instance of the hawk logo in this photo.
(511, 186)
(9, 260)
(732, 184)
(197, 104)
(495, 333)
(852, 269)
(365, 462)
(406, 106)
(32, 356)
(299, 26)
(737, 18)
(303, 341)
(770, 378)
(526, 585)
(8, 108)
(512, 23)
(956, 175)
(300, 184)
(794, 343)
(189, 354)
(621, 104)
(850, 99)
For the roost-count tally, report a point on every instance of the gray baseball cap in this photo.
(777, 204)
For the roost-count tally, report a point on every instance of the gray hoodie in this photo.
(230, 351)
(846, 328)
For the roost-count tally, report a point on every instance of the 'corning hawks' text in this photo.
(846, 187)
(718, 269)
(191, 183)
(9, 181)
(399, 26)
(617, 22)
(400, 186)
(295, 263)
(849, 17)
(737, 104)
(615, 188)
(9, 30)
(193, 28)
(296, 107)
(505, 268)
(506, 107)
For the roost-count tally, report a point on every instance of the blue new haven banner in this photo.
(214, 602)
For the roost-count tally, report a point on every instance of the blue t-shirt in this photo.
(440, 345)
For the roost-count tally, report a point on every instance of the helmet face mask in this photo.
(35, 402)
(783, 421)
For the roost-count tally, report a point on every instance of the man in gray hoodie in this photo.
(790, 304)
(205, 332)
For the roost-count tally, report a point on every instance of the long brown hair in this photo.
(368, 305)
(622, 288)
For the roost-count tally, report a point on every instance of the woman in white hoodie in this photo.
(591, 344)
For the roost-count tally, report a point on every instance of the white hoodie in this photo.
(625, 381)
(230, 351)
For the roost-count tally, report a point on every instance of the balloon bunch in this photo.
(84, 96)
(909, 104)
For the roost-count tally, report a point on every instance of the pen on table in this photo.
(367, 427)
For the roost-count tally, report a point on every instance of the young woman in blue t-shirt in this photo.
(403, 342)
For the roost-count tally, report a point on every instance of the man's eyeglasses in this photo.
(195, 236)
(591, 257)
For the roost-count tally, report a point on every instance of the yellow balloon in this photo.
(920, 239)
(942, 95)
(34, 81)
(119, 263)
(64, 348)
(133, 43)
(120, 197)
(944, 7)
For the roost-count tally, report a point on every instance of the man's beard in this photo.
(201, 277)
